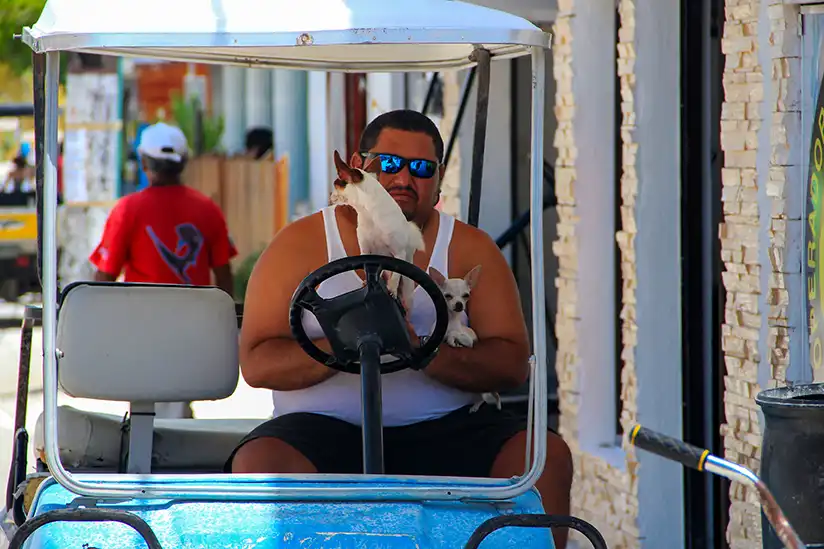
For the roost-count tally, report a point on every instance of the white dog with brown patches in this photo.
(456, 292)
(382, 227)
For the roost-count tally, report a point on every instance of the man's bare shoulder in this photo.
(467, 233)
(471, 246)
(472, 239)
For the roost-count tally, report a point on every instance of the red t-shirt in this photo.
(167, 235)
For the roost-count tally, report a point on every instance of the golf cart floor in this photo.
(268, 525)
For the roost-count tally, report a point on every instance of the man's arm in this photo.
(112, 251)
(221, 250)
(100, 276)
(499, 359)
(224, 279)
(269, 356)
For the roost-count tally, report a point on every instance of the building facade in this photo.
(718, 96)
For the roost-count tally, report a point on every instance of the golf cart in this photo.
(114, 341)
(106, 483)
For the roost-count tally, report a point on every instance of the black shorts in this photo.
(461, 443)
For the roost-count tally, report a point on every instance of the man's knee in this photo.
(511, 456)
(270, 455)
(559, 456)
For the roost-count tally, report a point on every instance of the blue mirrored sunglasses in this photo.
(392, 163)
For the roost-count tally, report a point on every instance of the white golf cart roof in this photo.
(416, 34)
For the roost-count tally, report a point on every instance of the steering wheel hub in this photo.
(368, 314)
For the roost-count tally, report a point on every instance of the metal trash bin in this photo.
(792, 459)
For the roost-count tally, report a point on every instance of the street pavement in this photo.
(246, 402)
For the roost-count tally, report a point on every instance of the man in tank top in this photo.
(428, 427)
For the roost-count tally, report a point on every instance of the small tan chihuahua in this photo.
(456, 292)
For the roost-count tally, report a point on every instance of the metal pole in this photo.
(479, 142)
(537, 263)
(49, 281)
(86, 515)
(23, 369)
(39, 88)
(371, 407)
(20, 435)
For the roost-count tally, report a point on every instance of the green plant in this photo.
(184, 113)
(244, 271)
(14, 15)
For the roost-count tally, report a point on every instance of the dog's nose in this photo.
(459, 306)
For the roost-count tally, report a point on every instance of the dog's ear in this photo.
(471, 278)
(345, 173)
(436, 275)
(373, 166)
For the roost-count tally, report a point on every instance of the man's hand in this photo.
(412, 334)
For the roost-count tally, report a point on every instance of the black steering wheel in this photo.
(369, 314)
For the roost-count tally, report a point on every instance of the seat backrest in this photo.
(147, 342)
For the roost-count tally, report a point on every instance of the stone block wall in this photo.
(741, 120)
(761, 218)
(451, 185)
(760, 88)
(602, 494)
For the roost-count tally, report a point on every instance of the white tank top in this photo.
(409, 396)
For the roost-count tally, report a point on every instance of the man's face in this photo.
(414, 193)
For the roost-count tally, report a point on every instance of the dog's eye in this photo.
(448, 296)
(465, 296)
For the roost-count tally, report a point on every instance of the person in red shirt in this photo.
(168, 232)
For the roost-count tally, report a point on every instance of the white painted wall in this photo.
(594, 89)
(384, 92)
(258, 98)
(232, 86)
(320, 177)
(336, 117)
(658, 251)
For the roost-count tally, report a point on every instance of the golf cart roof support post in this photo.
(39, 99)
(49, 262)
(536, 198)
(482, 56)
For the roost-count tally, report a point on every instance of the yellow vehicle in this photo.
(18, 252)
(18, 229)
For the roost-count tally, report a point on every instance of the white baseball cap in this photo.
(163, 142)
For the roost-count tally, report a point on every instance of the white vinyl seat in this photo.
(96, 442)
(145, 344)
